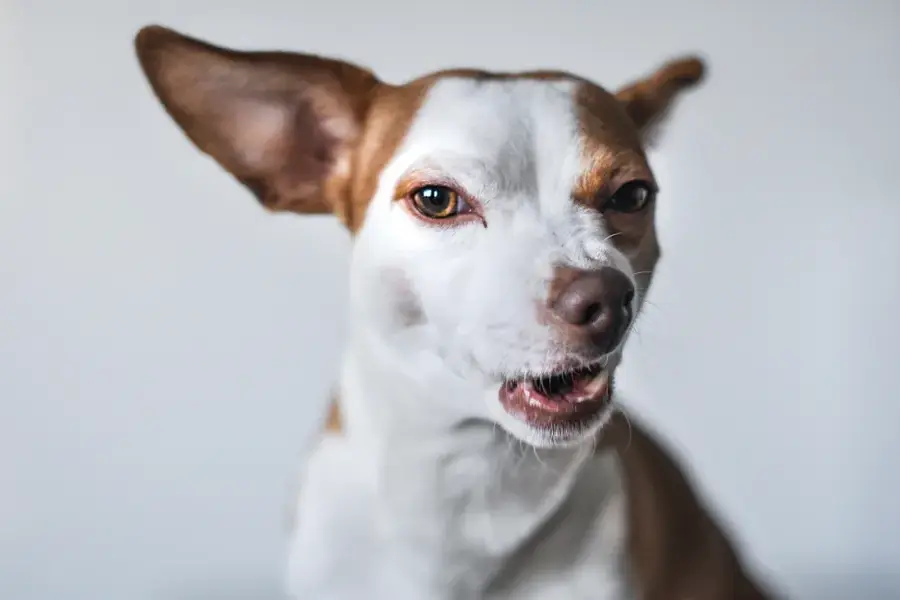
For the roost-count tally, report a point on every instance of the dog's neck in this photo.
(460, 493)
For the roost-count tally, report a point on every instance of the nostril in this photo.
(592, 312)
(628, 298)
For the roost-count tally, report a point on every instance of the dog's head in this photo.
(504, 223)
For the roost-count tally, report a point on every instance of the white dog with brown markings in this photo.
(504, 240)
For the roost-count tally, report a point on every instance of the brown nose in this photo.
(598, 303)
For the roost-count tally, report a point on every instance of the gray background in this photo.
(166, 346)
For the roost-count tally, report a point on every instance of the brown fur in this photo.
(391, 113)
(677, 550)
(648, 101)
(333, 423)
(204, 88)
(615, 152)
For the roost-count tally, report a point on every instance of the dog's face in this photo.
(503, 223)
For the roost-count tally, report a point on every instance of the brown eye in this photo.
(632, 197)
(437, 202)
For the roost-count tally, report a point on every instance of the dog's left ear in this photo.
(648, 100)
(281, 123)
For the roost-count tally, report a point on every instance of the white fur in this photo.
(434, 491)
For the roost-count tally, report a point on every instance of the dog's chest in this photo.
(579, 552)
(446, 538)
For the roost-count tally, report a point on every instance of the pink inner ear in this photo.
(258, 133)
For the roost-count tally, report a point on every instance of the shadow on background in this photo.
(812, 585)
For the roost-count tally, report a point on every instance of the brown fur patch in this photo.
(612, 148)
(281, 123)
(390, 115)
(334, 423)
(677, 549)
(648, 100)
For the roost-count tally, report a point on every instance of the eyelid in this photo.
(647, 183)
(413, 181)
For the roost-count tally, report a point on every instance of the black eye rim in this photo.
(623, 199)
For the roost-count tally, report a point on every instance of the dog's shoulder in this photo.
(676, 547)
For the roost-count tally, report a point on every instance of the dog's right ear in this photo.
(283, 124)
(649, 100)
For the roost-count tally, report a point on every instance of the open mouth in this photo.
(568, 397)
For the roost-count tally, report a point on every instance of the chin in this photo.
(555, 408)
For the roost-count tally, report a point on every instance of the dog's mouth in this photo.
(568, 397)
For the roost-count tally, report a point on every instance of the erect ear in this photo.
(283, 124)
(648, 100)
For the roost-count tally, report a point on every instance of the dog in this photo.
(504, 242)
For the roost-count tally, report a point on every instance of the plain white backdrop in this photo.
(166, 347)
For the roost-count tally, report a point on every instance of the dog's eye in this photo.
(438, 202)
(632, 197)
